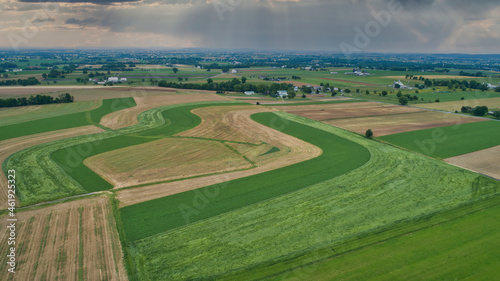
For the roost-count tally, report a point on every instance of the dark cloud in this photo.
(84, 22)
(42, 20)
(98, 2)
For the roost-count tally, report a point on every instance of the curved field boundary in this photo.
(44, 179)
(293, 151)
(11, 146)
(392, 194)
(167, 213)
(65, 121)
(128, 117)
(449, 141)
(180, 119)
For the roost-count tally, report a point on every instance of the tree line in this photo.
(36, 100)
(235, 85)
(22, 82)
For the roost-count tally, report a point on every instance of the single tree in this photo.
(403, 100)
(369, 133)
(175, 69)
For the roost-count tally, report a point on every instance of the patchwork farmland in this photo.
(154, 183)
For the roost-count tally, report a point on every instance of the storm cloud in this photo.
(418, 26)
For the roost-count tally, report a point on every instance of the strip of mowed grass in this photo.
(339, 156)
(65, 121)
(179, 119)
(463, 248)
(391, 195)
(449, 141)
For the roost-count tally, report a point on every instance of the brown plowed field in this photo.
(327, 113)
(70, 241)
(292, 150)
(483, 161)
(398, 123)
(10, 146)
(128, 117)
(165, 159)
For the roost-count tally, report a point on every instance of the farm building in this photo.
(283, 94)
(113, 79)
(123, 79)
(234, 71)
(401, 85)
(249, 93)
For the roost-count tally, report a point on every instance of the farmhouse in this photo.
(249, 93)
(113, 79)
(283, 94)
(400, 85)
(234, 71)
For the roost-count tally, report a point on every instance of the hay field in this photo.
(128, 117)
(165, 159)
(76, 240)
(483, 161)
(222, 123)
(292, 150)
(398, 123)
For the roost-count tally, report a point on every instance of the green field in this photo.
(463, 248)
(339, 156)
(449, 141)
(301, 227)
(178, 119)
(55, 170)
(65, 121)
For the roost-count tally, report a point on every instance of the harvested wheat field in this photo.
(483, 161)
(223, 123)
(11, 146)
(398, 123)
(70, 241)
(457, 105)
(327, 113)
(128, 117)
(291, 151)
(165, 159)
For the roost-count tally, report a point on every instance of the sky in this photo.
(348, 26)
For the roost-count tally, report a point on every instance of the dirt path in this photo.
(240, 120)
(8, 147)
(49, 241)
(128, 117)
